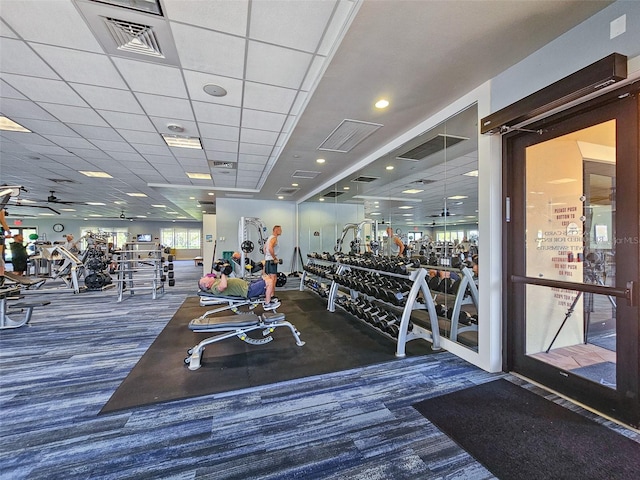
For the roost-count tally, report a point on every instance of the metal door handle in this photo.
(632, 294)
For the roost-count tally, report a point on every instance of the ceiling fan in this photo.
(53, 199)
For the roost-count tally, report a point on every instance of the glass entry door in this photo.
(573, 269)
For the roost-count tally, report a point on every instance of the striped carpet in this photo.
(57, 373)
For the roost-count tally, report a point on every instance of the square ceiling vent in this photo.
(225, 165)
(436, 144)
(333, 194)
(364, 179)
(305, 174)
(287, 191)
(347, 135)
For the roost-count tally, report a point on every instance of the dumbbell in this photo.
(223, 267)
(464, 318)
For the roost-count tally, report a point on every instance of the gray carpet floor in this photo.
(58, 372)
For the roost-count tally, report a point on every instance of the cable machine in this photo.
(246, 245)
(355, 246)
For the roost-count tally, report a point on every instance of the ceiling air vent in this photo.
(347, 135)
(363, 179)
(305, 174)
(133, 37)
(333, 194)
(228, 165)
(61, 180)
(424, 181)
(207, 202)
(287, 191)
(436, 144)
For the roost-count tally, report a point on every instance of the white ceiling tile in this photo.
(179, 153)
(127, 157)
(222, 15)
(128, 121)
(44, 89)
(145, 138)
(170, 107)
(113, 146)
(313, 74)
(96, 133)
(81, 67)
(54, 22)
(264, 137)
(5, 30)
(197, 80)
(219, 114)
(255, 149)
(219, 132)
(69, 142)
(190, 128)
(156, 160)
(299, 24)
(21, 109)
(47, 149)
(108, 98)
(336, 29)
(143, 77)
(263, 120)
(90, 154)
(208, 51)
(71, 114)
(220, 145)
(267, 97)
(7, 91)
(276, 65)
(217, 156)
(18, 58)
(245, 159)
(44, 127)
(154, 149)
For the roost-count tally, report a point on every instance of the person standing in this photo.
(271, 252)
(7, 230)
(19, 255)
(70, 244)
(394, 246)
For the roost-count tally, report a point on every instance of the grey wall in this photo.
(576, 49)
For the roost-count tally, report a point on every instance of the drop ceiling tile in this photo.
(197, 80)
(264, 137)
(154, 150)
(156, 160)
(218, 114)
(255, 149)
(220, 145)
(81, 67)
(19, 110)
(44, 89)
(258, 96)
(170, 107)
(145, 138)
(90, 154)
(250, 167)
(221, 15)
(44, 127)
(263, 120)
(161, 124)
(206, 51)
(24, 138)
(73, 114)
(108, 98)
(143, 77)
(276, 65)
(218, 132)
(217, 156)
(19, 59)
(110, 147)
(127, 121)
(244, 159)
(69, 142)
(187, 153)
(47, 149)
(96, 133)
(7, 91)
(56, 23)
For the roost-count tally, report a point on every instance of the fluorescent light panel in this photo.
(96, 174)
(182, 142)
(11, 126)
(199, 176)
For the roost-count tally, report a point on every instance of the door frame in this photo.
(622, 403)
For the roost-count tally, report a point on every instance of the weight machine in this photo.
(355, 245)
(246, 245)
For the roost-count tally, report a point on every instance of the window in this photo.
(181, 238)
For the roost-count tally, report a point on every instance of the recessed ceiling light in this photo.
(214, 90)
(181, 141)
(389, 167)
(412, 190)
(96, 174)
(159, 206)
(95, 203)
(294, 184)
(211, 193)
(133, 194)
(405, 207)
(11, 126)
(382, 103)
(280, 197)
(457, 197)
(94, 215)
(472, 173)
(322, 199)
(199, 176)
(346, 188)
(141, 216)
(375, 213)
(320, 160)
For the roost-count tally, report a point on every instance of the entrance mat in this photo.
(334, 342)
(517, 434)
(604, 373)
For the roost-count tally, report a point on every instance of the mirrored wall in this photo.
(427, 191)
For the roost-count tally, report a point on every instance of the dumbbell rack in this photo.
(418, 285)
(315, 273)
(140, 268)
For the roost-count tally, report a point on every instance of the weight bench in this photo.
(6, 322)
(232, 303)
(26, 282)
(236, 326)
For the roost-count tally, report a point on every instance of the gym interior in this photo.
(489, 239)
